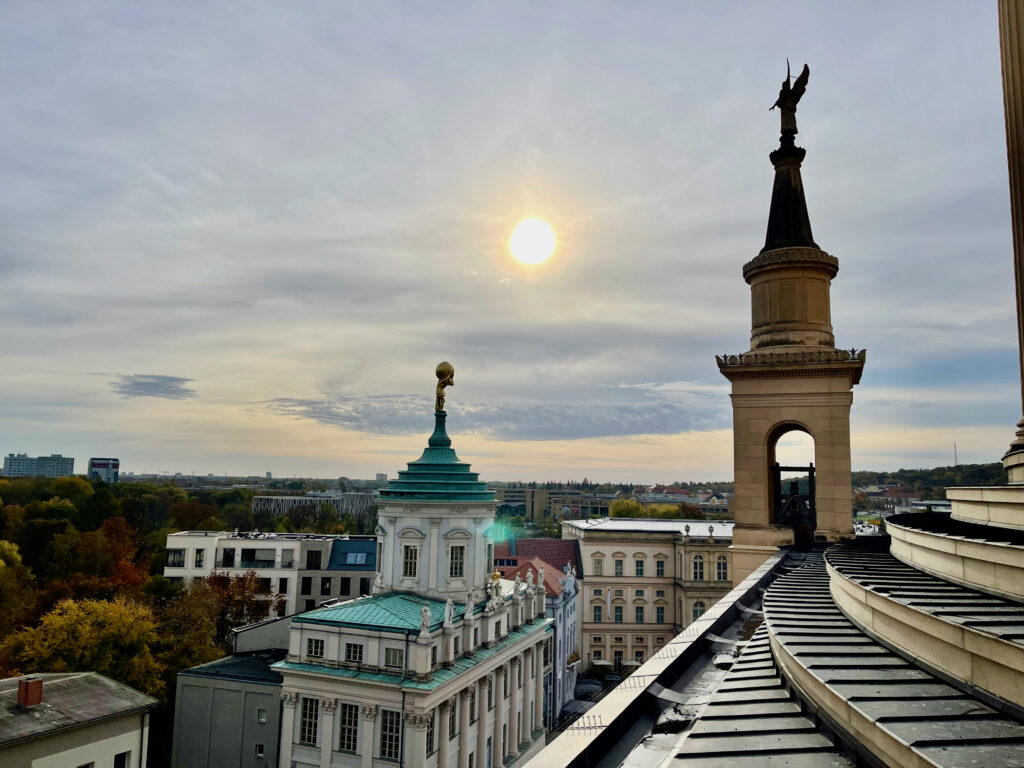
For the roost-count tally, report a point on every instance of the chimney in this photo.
(30, 691)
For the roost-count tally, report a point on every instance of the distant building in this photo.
(306, 568)
(358, 504)
(105, 470)
(23, 465)
(270, 476)
(72, 719)
(645, 581)
(538, 503)
(382, 477)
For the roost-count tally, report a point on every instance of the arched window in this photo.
(723, 568)
(698, 609)
(698, 567)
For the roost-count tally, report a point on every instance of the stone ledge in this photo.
(791, 257)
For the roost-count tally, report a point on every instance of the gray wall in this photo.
(216, 723)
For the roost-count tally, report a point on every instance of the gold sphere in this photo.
(445, 369)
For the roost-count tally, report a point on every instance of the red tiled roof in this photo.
(558, 552)
(536, 565)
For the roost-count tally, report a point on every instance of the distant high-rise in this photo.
(23, 465)
(382, 477)
(106, 470)
(270, 476)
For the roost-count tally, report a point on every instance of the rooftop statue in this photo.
(788, 98)
(425, 620)
(445, 378)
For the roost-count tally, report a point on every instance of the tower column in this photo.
(366, 742)
(463, 701)
(443, 734)
(483, 687)
(327, 731)
(288, 701)
(498, 739)
(513, 707)
(416, 738)
(528, 686)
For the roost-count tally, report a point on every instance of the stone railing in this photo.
(801, 357)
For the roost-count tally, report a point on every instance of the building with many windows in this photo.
(444, 665)
(646, 580)
(305, 568)
(105, 470)
(23, 465)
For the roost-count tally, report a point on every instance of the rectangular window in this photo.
(618, 639)
(228, 558)
(659, 640)
(659, 615)
(596, 654)
(598, 566)
(639, 614)
(309, 721)
(598, 592)
(200, 556)
(390, 734)
(639, 593)
(597, 639)
(597, 614)
(433, 655)
(310, 605)
(618, 567)
(410, 559)
(282, 586)
(638, 655)
(456, 646)
(659, 568)
(364, 586)
(258, 751)
(497, 629)
(394, 658)
(313, 560)
(325, 585)
(453, 726)
(354, 653)
(472, 703)
(261, 715)
(430, 733)
(490, 696)
(348, 727)
(723, 568)
(307, 585)
(456, 562)
(175, 558)
(639, 567)
(618, 614)
(123, 759)
(346, 586)
(315, 648)
(476, 636)
(659, 593)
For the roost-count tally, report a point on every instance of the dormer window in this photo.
(315, 648)
(354, 653)
(456, 562)
(394, 658)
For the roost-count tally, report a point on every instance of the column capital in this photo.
(288, 698)
(445, 705)
(528, 653)
(486, 681)
(330, 705)
(418, 720)
(514, 661)
(368, 711)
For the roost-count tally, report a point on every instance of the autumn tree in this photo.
(17, 589)
(243, 599)
(113, 638)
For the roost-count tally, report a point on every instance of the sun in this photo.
(532, 241)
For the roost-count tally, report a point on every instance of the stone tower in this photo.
(792, 378)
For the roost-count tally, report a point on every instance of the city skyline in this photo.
(239, 243)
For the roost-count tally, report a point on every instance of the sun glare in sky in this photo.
(532, 241)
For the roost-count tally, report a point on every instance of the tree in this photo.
(97, 508)
(17, 589)
(113, 638)
(242, 600)
(626, 508)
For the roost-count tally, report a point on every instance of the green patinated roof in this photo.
(397, 611)
(441, 676)
(437, 475)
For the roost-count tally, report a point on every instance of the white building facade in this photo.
(23, 465)
(445, 664)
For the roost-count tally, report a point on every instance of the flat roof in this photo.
(722, 529)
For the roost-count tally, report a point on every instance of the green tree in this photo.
(626, 508)
(113, 638)
(17, 589)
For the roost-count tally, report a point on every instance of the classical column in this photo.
(443, 734)
(498, 739)
(513, 706)
(287, 727)
(481, 721)
(416, 738)
(434, 564)
(327, 731)
(464, 728)
(366, 742)
(528, 685)
(538, 699)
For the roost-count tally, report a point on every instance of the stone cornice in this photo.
(792, 257)
(801, 357)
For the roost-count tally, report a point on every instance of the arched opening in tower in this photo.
(791, 481)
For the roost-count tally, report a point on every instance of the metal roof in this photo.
(721, 529)
(353, 555)
(70, 700)
(396, 611)
(248, 667)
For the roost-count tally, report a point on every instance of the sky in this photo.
(238, 237)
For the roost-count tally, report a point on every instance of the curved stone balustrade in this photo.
(977, 556)
(966, 635)
(999, 505)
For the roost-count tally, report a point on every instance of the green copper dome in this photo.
(437, 475)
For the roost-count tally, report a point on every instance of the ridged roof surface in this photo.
(437, 475)
(722, 529)
(395, 611)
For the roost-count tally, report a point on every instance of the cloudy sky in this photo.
(238, 237)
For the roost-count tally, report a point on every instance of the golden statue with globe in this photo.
(445, 378)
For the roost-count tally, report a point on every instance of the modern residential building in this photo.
(646, 580)
(563, 608)
(539, 503)
(23, 465)
(358, 504)
(73, 719)
(306, 568)
(105, 470)
(445, 664)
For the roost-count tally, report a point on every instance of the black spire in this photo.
(788, 223)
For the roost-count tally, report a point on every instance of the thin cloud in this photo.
(152, 385)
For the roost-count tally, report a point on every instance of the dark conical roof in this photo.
(789, 225)
(437, 475)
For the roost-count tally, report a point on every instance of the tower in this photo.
(793, 378)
